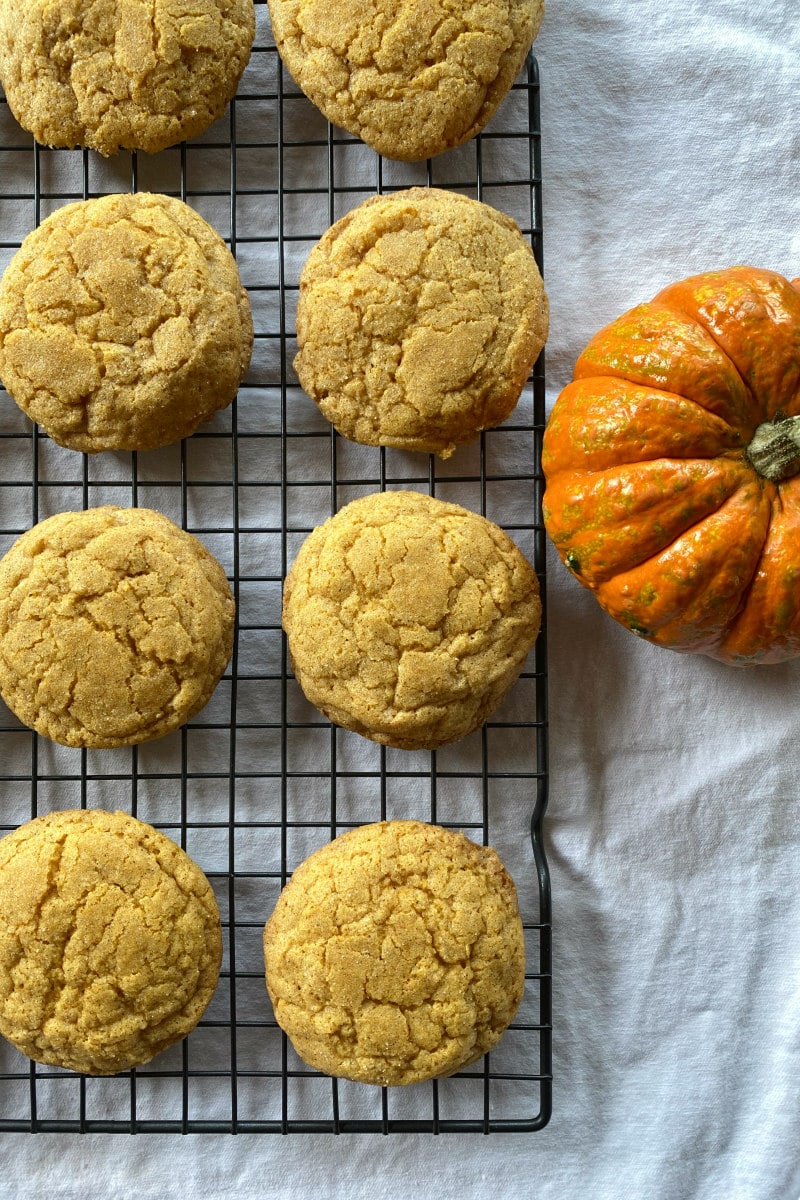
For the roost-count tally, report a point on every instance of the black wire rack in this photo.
(258, 779)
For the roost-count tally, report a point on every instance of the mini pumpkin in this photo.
(672, 467)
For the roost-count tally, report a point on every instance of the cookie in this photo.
(123, 323)
(395, 954)
(408, 619)
(420, 316)
(122, 74)
(410, 80)
(115, 626)
(110, 941)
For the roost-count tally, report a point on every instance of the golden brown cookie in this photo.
(396, 953)
(115, 626)
(420, 316)
(122, 74)
(410, 79)
(110, 941)
(409, 619)
(123, 323)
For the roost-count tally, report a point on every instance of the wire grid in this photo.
(258, 779)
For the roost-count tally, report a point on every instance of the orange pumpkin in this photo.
(672, 467)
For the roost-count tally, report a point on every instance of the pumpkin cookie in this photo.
(123, 323)
(396, 954)
(111, 942)
(409, 619)
(115, 626)
(419, 319)
(122, 74)
(410, 79)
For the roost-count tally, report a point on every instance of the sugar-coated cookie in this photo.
(110, 941)
(408, 619)
(123, 323)
(396, 954)
(410, 79)
(122, 74)
(420, 316)
(115, 626)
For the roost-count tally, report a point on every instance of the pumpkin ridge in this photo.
(652, 345)
(755, 403)
(682, 611)
(614, 521)
(775, 306)
(604, 421)
(766, 629)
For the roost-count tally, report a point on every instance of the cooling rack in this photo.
(258, 779)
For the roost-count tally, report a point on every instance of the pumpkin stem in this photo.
(774, 451)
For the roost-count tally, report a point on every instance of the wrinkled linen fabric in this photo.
(671, 145)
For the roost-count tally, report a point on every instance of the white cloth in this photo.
(670, 145)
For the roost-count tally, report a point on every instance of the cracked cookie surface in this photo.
(396, 954)
(408, 619)
(411, 78)
(122, 74)
(420, 317)
(123, 323)
(115, 626)
(110, 941)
